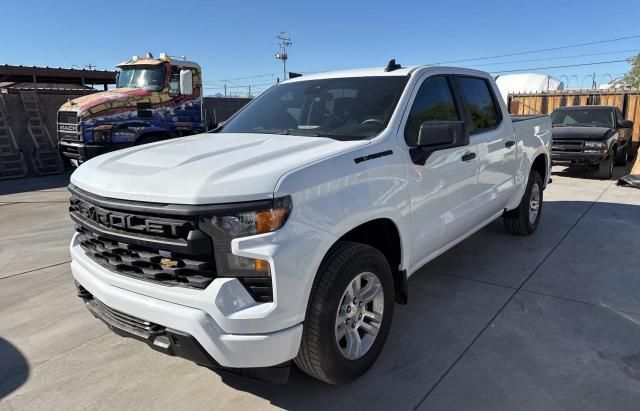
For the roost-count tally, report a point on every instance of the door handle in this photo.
(509, 143)
(468, 156)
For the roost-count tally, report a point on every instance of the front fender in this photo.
(336, 195)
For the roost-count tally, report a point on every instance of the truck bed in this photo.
(531, 125)
(531, 131)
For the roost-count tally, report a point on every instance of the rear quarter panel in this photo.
(533, 137)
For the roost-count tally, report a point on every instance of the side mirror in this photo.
(439, 135)
(186, 82)
(626, 124)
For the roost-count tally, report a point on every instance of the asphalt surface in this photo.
(546, 322)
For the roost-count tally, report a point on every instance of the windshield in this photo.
(340, 108)
(588, 117)
(149, 78)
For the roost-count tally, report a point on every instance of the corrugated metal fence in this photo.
(628, 101)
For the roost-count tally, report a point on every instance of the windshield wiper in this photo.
(310, 133)
(302, 132)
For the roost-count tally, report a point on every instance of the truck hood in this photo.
(92, 101)
(582, 133)
(204, 168)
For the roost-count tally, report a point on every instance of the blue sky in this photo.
(237, 39)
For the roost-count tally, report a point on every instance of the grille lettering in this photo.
(128, 222)
(68, 127)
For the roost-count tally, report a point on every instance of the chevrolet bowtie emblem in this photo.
(169, 263)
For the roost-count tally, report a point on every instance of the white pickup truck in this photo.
(288, 233)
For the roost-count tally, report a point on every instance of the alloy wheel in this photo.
(534, 204)
(359, 316)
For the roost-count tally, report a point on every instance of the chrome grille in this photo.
(69, 126)
(567, 146)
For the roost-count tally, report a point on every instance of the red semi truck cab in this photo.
(154, 99)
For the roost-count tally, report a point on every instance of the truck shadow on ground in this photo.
(24, 185)
(14, 369)
(590, 173)
(454, 297)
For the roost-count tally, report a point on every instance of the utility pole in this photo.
(285, 42)
(593, 81)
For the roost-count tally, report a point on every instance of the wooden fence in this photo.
(628, 101)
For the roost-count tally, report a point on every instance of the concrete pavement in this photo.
(550, 321)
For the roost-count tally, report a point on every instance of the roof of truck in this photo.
(360, 72)
(378, 72)
(150, 61)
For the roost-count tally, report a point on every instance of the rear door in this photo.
(495, 142)
(441, 183)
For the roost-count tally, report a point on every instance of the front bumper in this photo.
(83, 152)
(578, 158)
(171, 342)
(228, 350)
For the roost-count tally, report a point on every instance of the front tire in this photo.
(605, 168)
(524, 219)
(622, 158)
(349, 314)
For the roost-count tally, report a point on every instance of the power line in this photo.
(238, 78)
(565, 66)
(519, 53)
(219, 87)
(237, 86)
(553, 58)
(240, 85)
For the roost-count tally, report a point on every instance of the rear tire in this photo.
(343, 335)
(605, 168)
(524, 219)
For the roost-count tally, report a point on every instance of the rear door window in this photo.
(480, 102)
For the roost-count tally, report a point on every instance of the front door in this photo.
(441, 184)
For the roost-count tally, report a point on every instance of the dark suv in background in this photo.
(595, 136)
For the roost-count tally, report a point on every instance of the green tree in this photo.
(632, 78)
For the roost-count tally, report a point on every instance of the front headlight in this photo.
(102, 134)
(226, 227)
(251, 223)
(595, 146)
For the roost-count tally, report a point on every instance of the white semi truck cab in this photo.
(289, 232)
